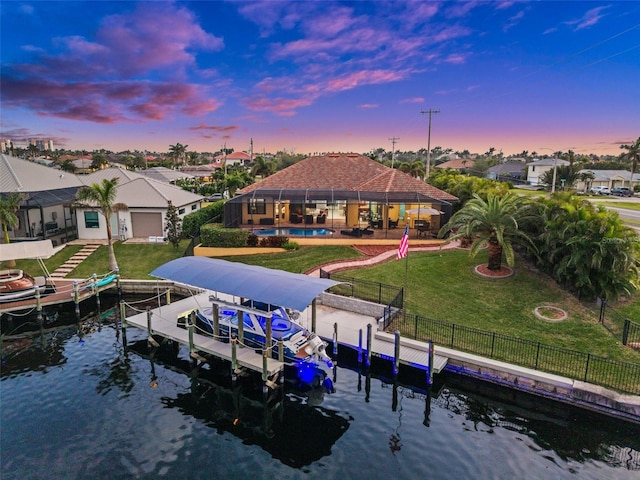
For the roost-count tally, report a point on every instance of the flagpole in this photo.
(403, 251)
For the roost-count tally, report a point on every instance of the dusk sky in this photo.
(321, 76)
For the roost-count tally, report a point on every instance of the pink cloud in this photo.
(215, 128)
(455, 58)
(279, 106)
(364, 77)
(367, 106)
(590, 18)
(105, 102)
(413, 100)
(94, 79)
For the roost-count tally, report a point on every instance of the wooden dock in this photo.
(163, 322)
(64, 294)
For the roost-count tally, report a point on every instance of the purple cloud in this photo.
(95, 79)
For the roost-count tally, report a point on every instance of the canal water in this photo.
(77, 405)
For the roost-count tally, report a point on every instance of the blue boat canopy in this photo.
(275, 287)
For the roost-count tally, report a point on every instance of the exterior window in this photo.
(256, 206)
(181, 211)
(193, 207)
(91, 220)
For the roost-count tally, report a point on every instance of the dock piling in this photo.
(191, 326)
(234, 358)
(96, 289)
(430, 362)
(335, 338)
(369, 335)
(123, 323)
(76, 297)
(396, 353)
(360, 346)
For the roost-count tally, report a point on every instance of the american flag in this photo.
(403, 248)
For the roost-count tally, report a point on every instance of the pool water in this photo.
(294, 232)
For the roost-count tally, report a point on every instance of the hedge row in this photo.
(192, 222)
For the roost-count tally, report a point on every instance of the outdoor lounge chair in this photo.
(355, 232)
(295, 218)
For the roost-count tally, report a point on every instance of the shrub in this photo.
(192, 222)
(215, 235)
(291, 246)
(276, 241)
(252, 240)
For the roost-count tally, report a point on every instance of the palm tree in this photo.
(103, 197)
(262, 168)
(493, 222)
(587, 177)
(178, 151)
(633, 155)
(9, 205)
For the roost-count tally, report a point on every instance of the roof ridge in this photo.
(13, 173)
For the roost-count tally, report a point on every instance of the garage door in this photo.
(146, 224)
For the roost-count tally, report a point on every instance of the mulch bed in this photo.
(502, 273)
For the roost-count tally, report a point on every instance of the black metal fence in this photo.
(622, 376)
(625, 330)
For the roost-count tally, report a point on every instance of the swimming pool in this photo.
(294, 232)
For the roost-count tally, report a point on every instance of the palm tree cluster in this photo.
(584, 248)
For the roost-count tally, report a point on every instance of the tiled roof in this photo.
(457, 163)
(346, 171)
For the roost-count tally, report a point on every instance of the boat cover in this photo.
(275, 287)
(22, 250)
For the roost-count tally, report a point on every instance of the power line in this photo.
(393, 148)
(430, 112)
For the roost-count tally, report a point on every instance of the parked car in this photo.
(622, 191)
(213, 197)
(600, 191)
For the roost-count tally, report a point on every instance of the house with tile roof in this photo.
(147, 201)
(338, 190)
(511, 171)
(234, 158)
(47, 210)
(461, 164)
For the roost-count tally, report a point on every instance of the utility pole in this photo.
(251, 150)
(225, 159)
(430, 112)
(393, 149)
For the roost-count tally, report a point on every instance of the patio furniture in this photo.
(423, 228)
(321, 218)
(308, 219)
(393, 223)
(295, 218)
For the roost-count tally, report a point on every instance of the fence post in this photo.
(625, 331)
(453, 333)
(379, 292)
(415, 329)
(493, 342)
(537, 356)
(586, 368)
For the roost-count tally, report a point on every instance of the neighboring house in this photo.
(537, 169)
(511, 171)
(347, 188)
(147, 201)
(460, 164)
(83, 165)
(234, 158)
(607, 178)
(47, 211)
(202, 172)
(163, 174)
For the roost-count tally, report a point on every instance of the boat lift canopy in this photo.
(274, 287)
(21, 250)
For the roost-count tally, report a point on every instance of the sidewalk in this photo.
(368, 261)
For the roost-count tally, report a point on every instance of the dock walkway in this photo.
(163, 322)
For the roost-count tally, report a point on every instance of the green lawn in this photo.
(441, 285)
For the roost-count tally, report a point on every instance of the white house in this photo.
(607, 178)
(537, 169)
(147, 201)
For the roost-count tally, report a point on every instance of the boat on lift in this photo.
(301, 348)
(266, 318)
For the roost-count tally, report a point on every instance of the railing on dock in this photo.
(389, 295)
(622, 376)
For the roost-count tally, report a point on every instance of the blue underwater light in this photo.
(310, 373)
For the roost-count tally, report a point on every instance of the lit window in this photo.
(256, 206)
(91, 220)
